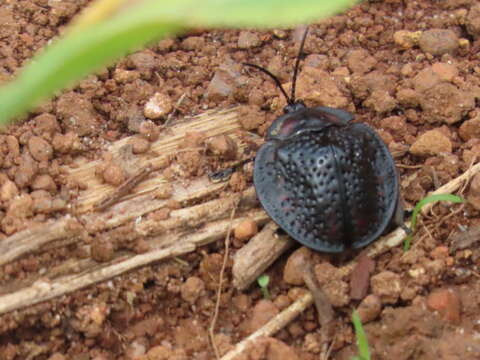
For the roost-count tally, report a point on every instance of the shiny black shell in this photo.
(329, 183)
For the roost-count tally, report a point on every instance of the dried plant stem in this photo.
(273, 326)
(43, 290)
(453, 185)
(258, 254)
(211, 330)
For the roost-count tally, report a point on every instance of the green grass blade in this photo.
(418, 208)
(253, 13)
(99, 43)
(362, 341)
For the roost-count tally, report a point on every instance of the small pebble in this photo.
(140, 145)
(66, 143)
(262, 312)
(40, 149)
(387, 286)
(248, 39)
(360, 61)
(281, 34)
(21, 206)
(242, 302)
(192, 289)
(369, 308)
(123, 76)
(406, 39)
(337, 292)
(136, 349)
(446, 103)
(446, 72)
(46, 124)
(470, 129)
(102, 251)
(432, 142)
(44, 182)
(294, 268)
(360, 277)
(193, 139)
(245, 230)
(440, 252)
(225, 81)
(473, 21)
(113, 174)
(282, 301)
(223, 146)
(8, 191)
(149, 131)
(158, 106)
(13, 145)
(438, 41)
(447, 303)
(193, 43)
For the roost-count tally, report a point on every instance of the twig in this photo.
(453, 185)
(43, 290)
(258, 254)
(467, 181)
(178, 245)
(273, 326)
(34, 238)
(211, 330)
(175, 109)
(323, 305)
(123, 189)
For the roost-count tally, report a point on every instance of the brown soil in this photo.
(420, 91)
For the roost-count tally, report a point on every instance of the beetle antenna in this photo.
(297, 63)
(279, 84)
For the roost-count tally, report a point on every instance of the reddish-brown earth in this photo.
(421, 91)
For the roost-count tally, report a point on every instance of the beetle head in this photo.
(295, 106)
(301, 119)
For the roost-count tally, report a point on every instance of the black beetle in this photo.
(331, 184)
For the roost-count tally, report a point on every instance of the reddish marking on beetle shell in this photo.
(287, 126)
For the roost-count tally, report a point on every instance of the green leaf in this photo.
(418, 208)
(263, 281)
(93, 44)
(362, 341)
(250, 13)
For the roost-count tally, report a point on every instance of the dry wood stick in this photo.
(211, 123)
(34, 238)
(452, 185)
(43, 290)
(273, 326)
(49, 289)
(258, 254)
(123, 189)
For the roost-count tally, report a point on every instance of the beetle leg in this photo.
(225, 174)
(399, 217)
